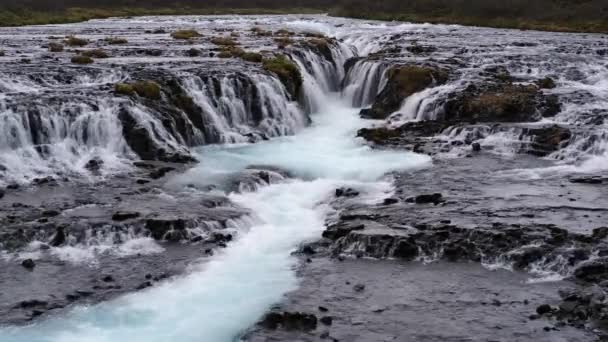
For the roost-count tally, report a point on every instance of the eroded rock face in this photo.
(402, 82)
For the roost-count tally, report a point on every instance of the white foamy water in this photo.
(217, 300)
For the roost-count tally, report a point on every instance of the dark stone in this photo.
(160, 227)
(346, 192)
(161, 172)
(94, 165)
(50, 213)
(124, 215)
(144, 285)
(59, 237)
(435, 198)
(326, 320)
(389, 201)
(107, 279)
(476, 147)
(544, 309)
(359, 287)
(29, 264)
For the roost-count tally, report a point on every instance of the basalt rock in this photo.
(291, 321)
(402, 82)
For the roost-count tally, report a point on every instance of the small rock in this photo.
(323, 309)
(107, 279)
(327, 320)
(144, 285)
(389, 201)
(29, 264)
(359, 287)
(544, 309)
(476, 147)
(124, 215)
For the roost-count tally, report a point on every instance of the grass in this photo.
(568, 25)
(21, 17)
(79, 59)
(185, 34)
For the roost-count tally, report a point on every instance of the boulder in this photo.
(402, 82)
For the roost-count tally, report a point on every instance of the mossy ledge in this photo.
(287, 71)
(147, 89)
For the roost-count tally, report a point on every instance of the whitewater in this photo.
(221, 298)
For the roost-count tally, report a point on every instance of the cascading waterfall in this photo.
(363, 82)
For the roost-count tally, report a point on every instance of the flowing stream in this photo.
(219, 299)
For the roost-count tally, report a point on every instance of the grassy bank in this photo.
(590, 26)
(21, 17)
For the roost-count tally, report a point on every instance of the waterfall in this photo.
(363, 82)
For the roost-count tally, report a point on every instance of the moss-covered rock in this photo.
(55, 47)
(321, 46)
(402, 82)
(311, 34)
(95, 53)
(224, 41)
(185, 34)
(503, 102)
(258, 31)
(80, 59)
(147, 89)
(75, 41)
(546, 83)
(116, 41)
(124, 89)
(231, 52)
(283, 42)
(252, 57)
(284, 33)
(287, 71)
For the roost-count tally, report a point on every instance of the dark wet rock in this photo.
(291, 321)
(359, 288)
(107, 279)
(593, 271)
(94, 165)
(125, 215)
(435, 198)
(390, 201)
(50, 213)
(476, 147)
(59, 237)
(33, 303)
(406, 133)
(346, 192)
(546, 83)
(326, 320)
(28, 264)
(544, 309)
(589, 179)
(161, 172)
(548, 139)
(172, 229)
(403, 81)
(143, 285)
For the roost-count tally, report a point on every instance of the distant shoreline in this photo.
(13, 18)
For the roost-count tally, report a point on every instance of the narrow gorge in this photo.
(301, 178)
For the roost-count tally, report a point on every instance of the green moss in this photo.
(75, 41)
(147, 89)
(224, 41)
(116, 41)
(314, 35)
(185, 34)
(284, 33)
(252, 57)
(546, 83)
(258, 31)
(55, 47)
(231, 52)
(95, 53)
(286, 70)
(79, 59)
(283, 42)
(124, 89)
(412, 78)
